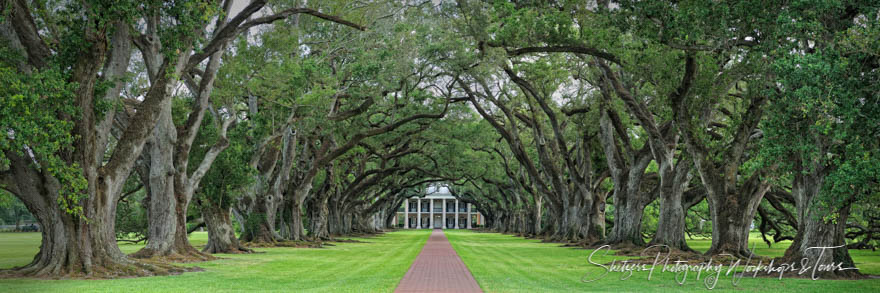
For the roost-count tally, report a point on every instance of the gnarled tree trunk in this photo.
(72, 246)
(627, 171)
(221, 234)
(816, 232)
(318, 213)
(161, 204)
(670, 225)
(260, 221)
(297, 227)
(732, 216)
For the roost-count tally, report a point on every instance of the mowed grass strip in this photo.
(505, 263)
(375, 265)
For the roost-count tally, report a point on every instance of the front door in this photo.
(438, 222)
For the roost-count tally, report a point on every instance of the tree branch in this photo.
(237, 25)
(28, 33)
(566, 49)
(218, 147)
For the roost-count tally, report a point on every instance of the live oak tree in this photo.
(171, 145)
(343, 96)
(65, 180)
(820, 124)
(296, 116)
(88, 58)
(222, 186)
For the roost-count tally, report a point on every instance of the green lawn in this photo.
(376, 265)
(500, 263)
(504, 263)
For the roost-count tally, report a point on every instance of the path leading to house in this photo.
(438, 269)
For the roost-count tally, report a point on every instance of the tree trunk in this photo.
(814, 230)
(181, 238)
(221, 235)
(627, 170)
(260, 222)
(72, 246)
(297, 228)
(555, 214)
(627, 229)
(732, 216)
(318, 219)
(169, 199)
(573, 227)
(334, 220)
(498, 222)
(670, 225)
(346, 223)
(596, 230)
(538, 213)
(161, 205)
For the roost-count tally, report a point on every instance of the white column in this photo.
(456, 213)
(431, 214)
(419, 214)
(469, 215)
(444, 214)
(406, 213)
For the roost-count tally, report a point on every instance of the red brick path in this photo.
(438, 269)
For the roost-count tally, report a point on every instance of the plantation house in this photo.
(439, 210)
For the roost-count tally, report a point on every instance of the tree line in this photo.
(293, 122)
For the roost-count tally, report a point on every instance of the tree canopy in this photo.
(627, 123)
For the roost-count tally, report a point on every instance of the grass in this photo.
(499, 263)
(375, 265)
(505, 263)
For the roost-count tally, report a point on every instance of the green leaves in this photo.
(31, 111)
(825, 112)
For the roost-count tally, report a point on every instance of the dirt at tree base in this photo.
(285, 243)
(191, 256)
(138, 268)
(346, 240)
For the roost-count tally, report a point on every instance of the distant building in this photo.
(437, 210)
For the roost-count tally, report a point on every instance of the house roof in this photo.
(437, 192)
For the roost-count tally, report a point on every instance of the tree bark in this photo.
(627, 230)
(815, 231)
(318, 213)
(671, 225)
(627, 174)
(732, 216)
(221, 235)
(260, 222)
(72, 246)
(297, 232)
(161, 205)
(597, 218)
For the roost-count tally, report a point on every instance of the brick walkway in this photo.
(438, 269)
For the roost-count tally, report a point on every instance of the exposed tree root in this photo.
(184, 255)
(232, 250)
(284, 243)
(126, 268)
(346, 240)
